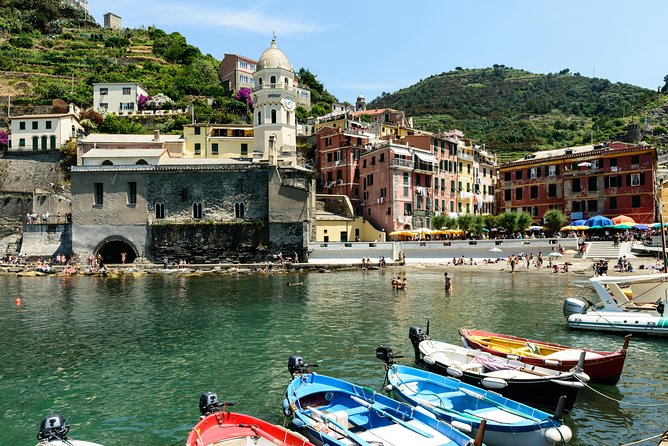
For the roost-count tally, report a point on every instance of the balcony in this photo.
(425, 167)
(274, 87)
(398, 162)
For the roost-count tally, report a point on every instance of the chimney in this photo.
(156, 135)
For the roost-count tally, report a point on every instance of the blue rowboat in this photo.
(465, 406)
(334, 412)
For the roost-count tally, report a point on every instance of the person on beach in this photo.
(448, 283)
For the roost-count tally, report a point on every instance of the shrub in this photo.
(21, 41)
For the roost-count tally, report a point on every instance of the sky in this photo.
(369, 46)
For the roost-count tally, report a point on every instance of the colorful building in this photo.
(117, 98)
(43, 132)
(232, 141)
(606, 179)
(236, 72)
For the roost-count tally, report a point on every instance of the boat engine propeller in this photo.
(53, 427)
(209, 403)
(296, 365)
(417, 335)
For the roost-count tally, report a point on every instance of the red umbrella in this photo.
(623, 219)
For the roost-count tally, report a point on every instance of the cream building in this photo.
(117, 98)
(43, 132)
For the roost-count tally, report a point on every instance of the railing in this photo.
(424, 166)
(402, 163)
(275, 86)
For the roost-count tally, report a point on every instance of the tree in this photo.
(523, 221)
(664, 89)
(301, 115)
(508, 221)
(438, 221)
(465, 222)
(554, 219)
(490, 221)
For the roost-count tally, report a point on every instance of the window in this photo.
(382, 158)
(35, 125)
(272, 81)
(518, 175)
(239, 209)
(214, 148)
(244, 149)
(198, 131)
(330, 178)
(52, 140)
(273, 116)
(576, 186)
(44, 139)
(22, 125)
(635, 179)
(127, 90)
(592, 205)
(452, 186)
(104, 90)
(613, 181)
(99, 194)
(532, 173)
(197, 210)
(592, 183)
(613, 162)
(48, 125)
(243, 79)
(259, 118)
(405, 177)
(243, 64)
(132, 192)
(534, 211)
(107, 163)
(337, 155)
(552, 190)
(518, 193)
(22, 142)
(35, 142)
(373, 160)
(141, 162)
(104, 105)
(159, 210)
(534, 191)
(408, 209)
(507, 194)
(635, 201)
(369, 180)
(635, 159)
(198, 148)
(552, 171)
(613, 203)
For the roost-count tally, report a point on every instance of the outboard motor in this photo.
(416, 335)
(209, 403)
(660, 308)
(574, 306)
(296, 365)
(53, 427)
(385, 354)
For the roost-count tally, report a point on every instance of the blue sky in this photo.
(370, 46)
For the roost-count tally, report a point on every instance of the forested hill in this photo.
(513, 111)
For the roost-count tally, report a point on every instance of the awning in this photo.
(400, 151)
(426, 157)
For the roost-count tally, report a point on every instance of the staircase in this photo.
(602, 250)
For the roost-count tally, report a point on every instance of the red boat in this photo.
(219, 427)
(602, 367)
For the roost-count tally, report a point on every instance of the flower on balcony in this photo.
(244, 95)
(142, 100)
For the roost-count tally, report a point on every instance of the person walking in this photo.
(448, 283)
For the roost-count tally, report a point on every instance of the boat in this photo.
(627, 304)
(526, 383)
(506, 422)
(334, 412)
(218, 427)
(603, 367)
(53, 431)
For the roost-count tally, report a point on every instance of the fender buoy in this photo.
(18, 301)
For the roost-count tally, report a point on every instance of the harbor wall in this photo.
(433, 251)
(46, 240)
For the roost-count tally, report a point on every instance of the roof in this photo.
(376, 111)
(126, 138)
(272, 57)
(324, 215)
(575, 151)
(52, 115)
(199, 161)
(123, 153)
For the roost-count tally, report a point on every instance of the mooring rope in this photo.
(619, 401)
(653, 437)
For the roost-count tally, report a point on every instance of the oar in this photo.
(327, 419)
(499, 405)
(374, 406)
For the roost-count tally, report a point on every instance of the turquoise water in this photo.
(126, 359)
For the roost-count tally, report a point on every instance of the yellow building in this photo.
(465, 177)
(231, 141)
(335, 222)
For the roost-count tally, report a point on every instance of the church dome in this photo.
(272, 57)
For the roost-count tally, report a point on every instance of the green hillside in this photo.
(514, 112)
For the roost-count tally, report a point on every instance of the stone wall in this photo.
(46, 240)
(13, 210)
(244, 242)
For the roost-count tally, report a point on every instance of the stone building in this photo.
(112, 21)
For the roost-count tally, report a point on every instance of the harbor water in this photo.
(125, 359)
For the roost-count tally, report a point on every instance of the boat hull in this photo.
(221, 428)
(509, 423)
(620, 322)
(330, 411)
(603, 367)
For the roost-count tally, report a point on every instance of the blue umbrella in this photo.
(599, 220)
(642, 227)
(580, 222)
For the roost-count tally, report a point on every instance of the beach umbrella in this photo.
(496, 251)
(555, 254)
(622, 226)
(580, 222)
(595, 227)
(485, 230)
(570, 251)
(641, 227)
(536, 228)
(422, 231)
(568, 228)
(623, 219)
(599, 220)
(395, 233)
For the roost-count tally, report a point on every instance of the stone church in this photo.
(149, 203)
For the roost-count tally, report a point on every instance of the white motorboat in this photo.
(53, 432)
(627, 304)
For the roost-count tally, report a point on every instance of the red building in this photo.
(607, 179)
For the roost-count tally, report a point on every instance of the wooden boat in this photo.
(603, 367)
(53, 431)
(529, 384)
(334, 412)
(627, 304)
(506, 422)
(218, 427)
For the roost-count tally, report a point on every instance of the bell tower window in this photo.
(273, 81)
(273, 116)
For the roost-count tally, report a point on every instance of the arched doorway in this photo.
(112, 249)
